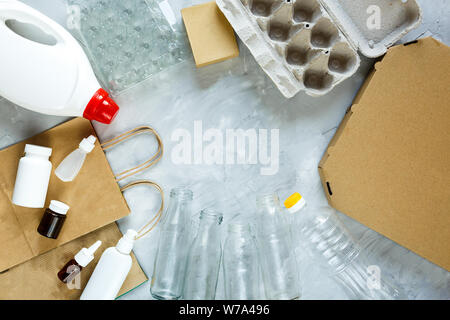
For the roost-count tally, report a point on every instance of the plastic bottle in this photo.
(53, 219)
(171, 257)
(71, 165)
(73, 268)
(277, 256)
(58, 79)
(240, 264)
(111, 271)
(33, 176)
(331, 241)
(202, 271)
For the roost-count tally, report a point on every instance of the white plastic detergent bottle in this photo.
(44, 69)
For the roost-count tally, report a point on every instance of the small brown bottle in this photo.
(81, 260)
(53, 219)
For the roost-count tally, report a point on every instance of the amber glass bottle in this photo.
(53, 219)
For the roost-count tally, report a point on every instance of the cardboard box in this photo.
(210, 34)
(388, 165)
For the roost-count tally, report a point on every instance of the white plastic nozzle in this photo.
(86, 255)
(87, 144)
(94, 247)
(58, 207)
(126, 243)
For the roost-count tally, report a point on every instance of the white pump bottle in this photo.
(44, 69)
(111, 270)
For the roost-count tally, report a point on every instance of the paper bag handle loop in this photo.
(149, 226)
(127, 135)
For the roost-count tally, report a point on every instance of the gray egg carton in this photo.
(311, 45)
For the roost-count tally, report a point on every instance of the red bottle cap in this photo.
(101, 108)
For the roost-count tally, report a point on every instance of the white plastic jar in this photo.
(33, 176)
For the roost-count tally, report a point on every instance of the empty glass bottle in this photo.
(202, 270)
(171, 257)
(278, 261)
(240, 264)
(333, 243)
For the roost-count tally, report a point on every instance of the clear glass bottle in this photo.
(332, 242)
(240, 264)
(202, 270)
(171, 257)
(278, 260)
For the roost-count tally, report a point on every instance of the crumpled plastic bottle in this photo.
(321, 229)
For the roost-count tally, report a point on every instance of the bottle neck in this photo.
(83, 150)
(268, 204)
(126, 243)
(238, 230)
(181, 194)
(54, 213)
(210, 218)
(179, 208)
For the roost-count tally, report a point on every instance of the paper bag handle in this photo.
(127, 135)
(149, 226)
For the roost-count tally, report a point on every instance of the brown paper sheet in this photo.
(36, 278)
(94, 197)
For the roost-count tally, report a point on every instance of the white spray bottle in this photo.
(111, 270)
(44, 69)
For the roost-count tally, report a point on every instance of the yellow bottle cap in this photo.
(295, 202)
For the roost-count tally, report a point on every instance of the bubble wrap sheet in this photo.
(127, 40)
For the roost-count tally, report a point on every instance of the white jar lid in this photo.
(38, 150)
(58, 207)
